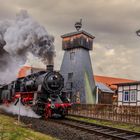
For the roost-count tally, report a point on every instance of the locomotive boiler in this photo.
(43, 91)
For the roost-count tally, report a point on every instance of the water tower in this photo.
(76, 65)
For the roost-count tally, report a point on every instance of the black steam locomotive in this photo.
(43, 91)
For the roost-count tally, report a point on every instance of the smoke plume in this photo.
(19, 37)
(23, 111)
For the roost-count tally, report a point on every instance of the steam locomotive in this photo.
(43, 91)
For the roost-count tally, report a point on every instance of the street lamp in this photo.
(138, 32)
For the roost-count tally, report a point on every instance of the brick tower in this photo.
(76, 66)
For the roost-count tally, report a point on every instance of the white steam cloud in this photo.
(19, 37)
(24, 111)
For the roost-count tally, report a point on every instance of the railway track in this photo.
(85, 128)
(105, 131)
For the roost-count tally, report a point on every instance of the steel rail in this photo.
(106, 131)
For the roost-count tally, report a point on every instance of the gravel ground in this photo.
(59, 131)
(56, 130)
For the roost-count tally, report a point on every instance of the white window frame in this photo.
(133, 95)
(124, 96)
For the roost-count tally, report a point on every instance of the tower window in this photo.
(70, 75)
(72, 55)
(69, 83)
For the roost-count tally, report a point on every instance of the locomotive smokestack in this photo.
(49, 67)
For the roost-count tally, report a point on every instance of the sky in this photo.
(116, 47)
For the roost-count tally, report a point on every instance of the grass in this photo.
(11, 130)
(124, 126)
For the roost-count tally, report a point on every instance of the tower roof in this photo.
(77, 33)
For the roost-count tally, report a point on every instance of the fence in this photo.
(127, 114)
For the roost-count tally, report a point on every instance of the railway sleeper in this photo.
(111, 132)
(129, 136)
(119, 134)
(91, 128)
(98, 129)
(83, 132)
(86, 126)
(104, 130)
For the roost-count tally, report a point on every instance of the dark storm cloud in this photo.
(113, 22)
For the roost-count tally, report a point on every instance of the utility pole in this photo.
(19, 110)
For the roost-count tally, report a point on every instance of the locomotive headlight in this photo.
(55, 77)
(52, 106)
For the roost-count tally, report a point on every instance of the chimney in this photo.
(49, 67)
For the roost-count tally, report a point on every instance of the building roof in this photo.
(104, 88)
(76, 33)
(111, 81)
(24, 71)
(128, 83)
